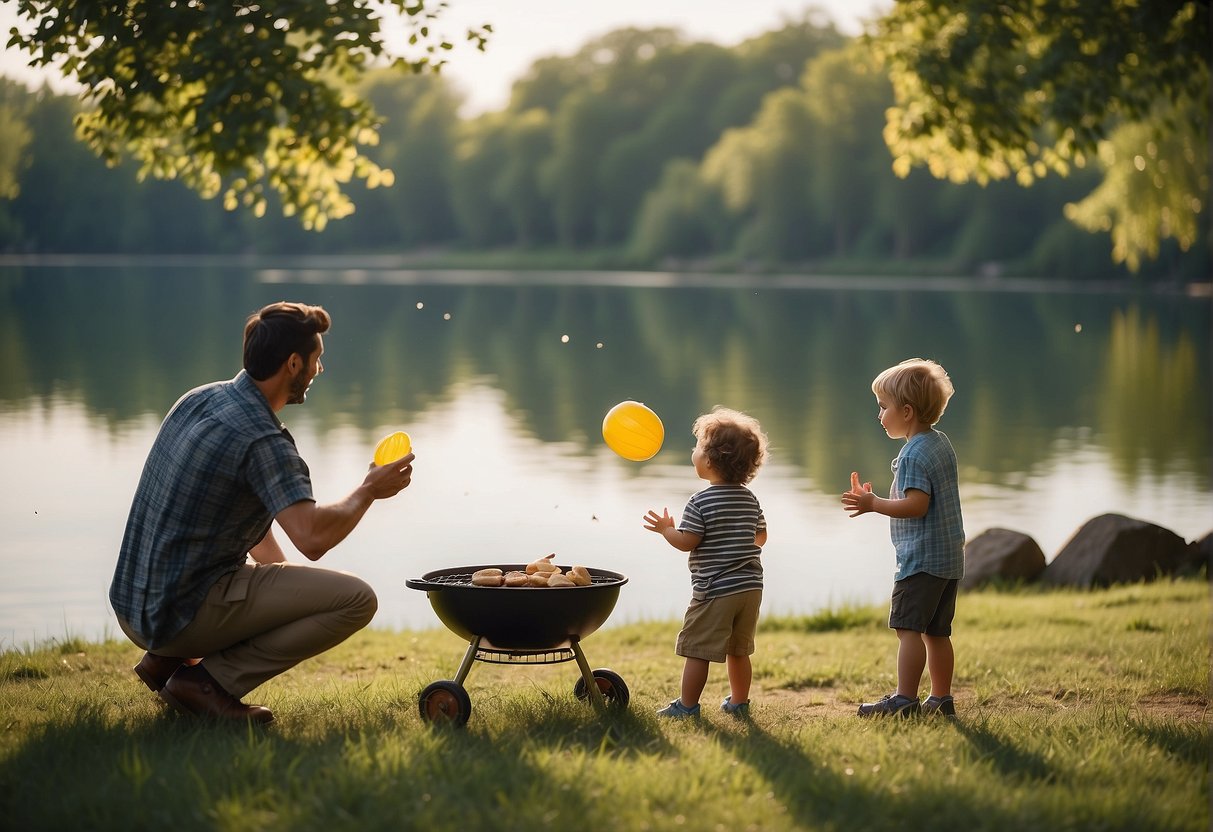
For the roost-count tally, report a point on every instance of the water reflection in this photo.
(1112, 390)
(1152, 394)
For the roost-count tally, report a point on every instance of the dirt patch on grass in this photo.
(1178, 706)
(808, 702)
(821, 702)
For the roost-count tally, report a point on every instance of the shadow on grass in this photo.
(820, 793)
(1010, 760)
(814, 793)
(1187, 740)
(88, 770)
(574, 725)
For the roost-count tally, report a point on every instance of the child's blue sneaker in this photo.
(677, 710)
(939, 706)
(892, 705)
(741, 709)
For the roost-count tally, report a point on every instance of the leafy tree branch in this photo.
(993, 89)
(236, 98)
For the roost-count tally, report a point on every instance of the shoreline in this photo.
(411, 270)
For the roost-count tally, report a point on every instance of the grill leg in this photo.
(591, 684)
(465, 667)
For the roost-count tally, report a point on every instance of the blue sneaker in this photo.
(677, 710)
(892, 705)
(939, 706)
(741, 709)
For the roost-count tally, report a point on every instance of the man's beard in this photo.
(299, 385)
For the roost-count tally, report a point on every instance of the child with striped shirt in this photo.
(724, 530)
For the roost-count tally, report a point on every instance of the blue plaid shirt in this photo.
(935, 542)
(221, 468)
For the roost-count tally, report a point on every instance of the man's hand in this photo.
(384, 481)
(316, 529)
(859, 499)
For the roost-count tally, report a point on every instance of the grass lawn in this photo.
(1077, 710)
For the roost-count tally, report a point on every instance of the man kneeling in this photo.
(223, 468)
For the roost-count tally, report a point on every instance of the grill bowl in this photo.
(519, 618)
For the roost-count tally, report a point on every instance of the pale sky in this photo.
(525, 30)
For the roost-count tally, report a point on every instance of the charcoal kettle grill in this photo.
(519, 625)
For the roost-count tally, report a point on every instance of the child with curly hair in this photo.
(724, 530)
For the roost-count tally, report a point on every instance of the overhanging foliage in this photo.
(991, 89)
(238, 98)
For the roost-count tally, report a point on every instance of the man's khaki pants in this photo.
(264, 619)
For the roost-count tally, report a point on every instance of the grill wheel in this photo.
(613, 688)
(445, 701)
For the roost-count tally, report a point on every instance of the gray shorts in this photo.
(924, 603)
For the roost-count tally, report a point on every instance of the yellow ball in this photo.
(392, 447)
(633, 431)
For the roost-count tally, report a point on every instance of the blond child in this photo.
(724, 530)
(927, 531)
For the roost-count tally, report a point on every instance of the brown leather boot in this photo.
(154, 670)
(192, 691)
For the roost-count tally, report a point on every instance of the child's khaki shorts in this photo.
(720, 627)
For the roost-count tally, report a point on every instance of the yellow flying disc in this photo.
(392, 447)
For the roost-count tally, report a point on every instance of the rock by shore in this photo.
(1107, 549)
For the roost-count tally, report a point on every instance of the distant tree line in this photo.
(642, 148)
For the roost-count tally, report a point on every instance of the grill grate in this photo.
(465, 579)
(495, 655)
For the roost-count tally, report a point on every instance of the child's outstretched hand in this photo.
(859, 499)
(655, 522)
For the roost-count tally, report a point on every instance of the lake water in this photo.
(1070, 402)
